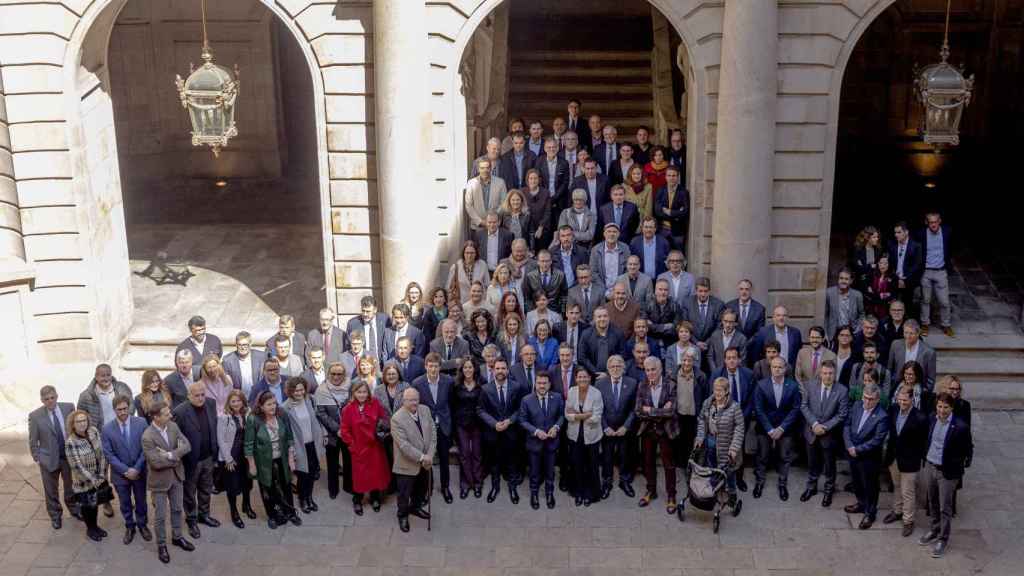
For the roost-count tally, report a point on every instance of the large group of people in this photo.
(568, 346)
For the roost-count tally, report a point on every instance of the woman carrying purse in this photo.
(85, 456)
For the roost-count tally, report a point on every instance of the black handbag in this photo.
(105, 493)
(383, 432)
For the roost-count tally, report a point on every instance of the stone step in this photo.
(638, 73)
(591, 89)
(583, 56)
(989, 395)
(984, 345)
(989, 369)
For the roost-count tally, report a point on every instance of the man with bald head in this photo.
(197, 420)
(415, 441)
(789, 338)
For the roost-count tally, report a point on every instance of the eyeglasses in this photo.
(337, 374)
(273, 369)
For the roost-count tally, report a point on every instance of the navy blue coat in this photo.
(532, 418)
(957, 448)
(442, 408)
(491, 411)
(661, 249)
(870, 440)
(755, 349)
(124, 455)
(784, 415)
(755, 318)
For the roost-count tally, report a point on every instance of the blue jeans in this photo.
(711, 454)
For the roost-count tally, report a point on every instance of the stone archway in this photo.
(93, 171)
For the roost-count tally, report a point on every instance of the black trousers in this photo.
(765, 446)
(821, 457)
(502, 458)
(616, 450)
(338, 453)
(412, 492)
(444, 448)
(683, 444)
(237, 482)
(585, 464)
(277, 498)
(865, 469)
(307, 480)
(542, 467)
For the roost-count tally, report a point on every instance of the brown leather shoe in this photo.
(948, 331)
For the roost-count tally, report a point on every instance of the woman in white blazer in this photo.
(583, 410)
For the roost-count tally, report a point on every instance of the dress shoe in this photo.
(102, 532)
(193, 530)
(447, 495)
(908, 529)
(294, 519)
(948, 331)
(551, 500)
(375, 504)
(853, 509)
(627, 490)
(478, 491)
(758, 490)
(209, 521)
(463, 493)
(646, 499)
(161, 551)
(513, 494)
(741, 484)
(333, 496)
(587, 502)
(808, 494)
(248, 511)
(866, 522)
(578, 501)
(237, 521)
(312, 504)
(534, 502)
(129, 535)
(357, 507)
(403, 523)
(826, 500)
(493, 494)
(304, 506)
(671, 506)
(606, 492)
(891, 517)
(56, 523)
(183, 544)
(783, 493)
(420, 513)
(273, 523)
(928, 537)
(563, 484)
(939, 550)
(108, 510)
(144, 532)
(94, 535)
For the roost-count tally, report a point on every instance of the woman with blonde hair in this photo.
(367, 371)
(515, 215)
(501, 284)
(231, 442)
(720, 431)
(153, 390)
(510, 338)
(414, 300)
(84, 450)
(217, 381)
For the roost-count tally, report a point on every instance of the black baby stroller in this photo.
(707, 489)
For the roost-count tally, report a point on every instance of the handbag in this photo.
(383, 431)
(105, 493)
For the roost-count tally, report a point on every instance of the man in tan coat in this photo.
(412, 429)
(164, 446)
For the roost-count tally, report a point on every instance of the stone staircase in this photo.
(990, 365)
(152, 348)
(616, 84)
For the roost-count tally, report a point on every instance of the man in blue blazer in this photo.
(864, 436)
(617, 420)
(787, 336)
(672, 208)
(542, 415)
(499, 412)
(595, 184)
(624, 214)
(949, 449)
(777, 406)
(401, 327)
(372, 324)
(741, 390)
(651, 248)
(435, 393)
(410, 367)
(750, 314)
(122, 446)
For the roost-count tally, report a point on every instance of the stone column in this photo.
(410, 247)
(12, 245)
(745, 147)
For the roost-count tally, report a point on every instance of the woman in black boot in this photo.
(230, 440)
(330, 399)
(307, 436)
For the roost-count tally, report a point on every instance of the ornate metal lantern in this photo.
(944, 92)
(209, 95)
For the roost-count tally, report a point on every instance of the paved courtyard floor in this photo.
(614, 537)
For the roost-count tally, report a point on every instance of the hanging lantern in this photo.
(209, 95)
(944, 92)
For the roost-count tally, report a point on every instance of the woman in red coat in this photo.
(359, 422)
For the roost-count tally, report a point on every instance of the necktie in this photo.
(618, 216)
(615, 394)
(124, 432)
(565, 381)
(529, 376)
(586, 300)
(371, 342)
(610, 156)
(544, 279)
(814, 363)
(736, 388)
(572, 339)
(58, 431)
(703, 312)
(327, 341)
(544, 406)
(743, 314)
(448, 352)
(501, 396)
(419, 426)
(824, 394)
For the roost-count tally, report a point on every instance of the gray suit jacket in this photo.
(476, 210)
(42, 438)
(716, 349)
(644, 291)
(410, 444)
(686, 287)
(597, 254)
(831, 414)
(925, 357)
(832, 310)
(162, 472)
(460, 348)
(596, 298)
(704, 326)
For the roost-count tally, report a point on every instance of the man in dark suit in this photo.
(197, 420)
(401, 328)
(245, 365)
(596, 185)
(410, 366)
(575, 122)
(524, 373)
(435, 393)
(545, 279)
(672, 208)
(937, 249)
(450, 348)
(908, 441)
(741, 389)
(704, 311)
(656, 409)
(199, 343)
(286, 328)
(777, 406)
(864, 436)
(542, 415)
(555, 177)
(122, 446)
(493, 232)
(651, 248)
(517, 161)
(46, 437)
(599, 343)
(607, 152)
(617, 421)
(316, 373)
(907, 263)
(789, 338)
(824, 408)
(566, 255)
(185, 373)
(948, 451)
(624, 214)
(271, 380)
(749, 312)
(328, 336)
(372, 324)
(499, 411)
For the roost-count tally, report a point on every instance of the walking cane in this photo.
(430, 494)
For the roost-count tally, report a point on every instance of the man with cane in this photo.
(415, 441)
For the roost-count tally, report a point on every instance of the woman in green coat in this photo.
(268, 448)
